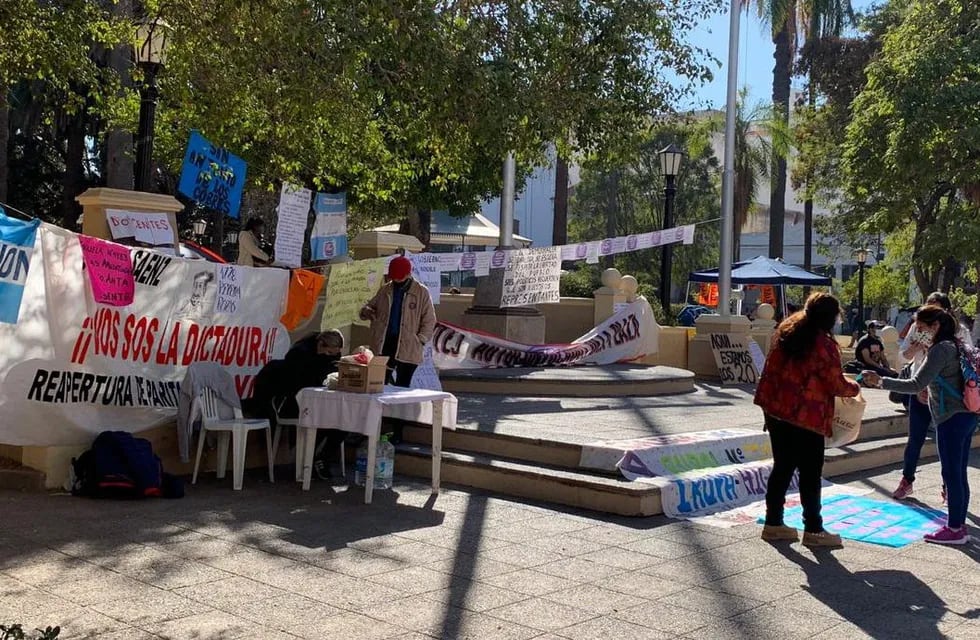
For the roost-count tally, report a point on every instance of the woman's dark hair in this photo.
(941, 299)
(254, 223)
(797, 334)
(931, 313)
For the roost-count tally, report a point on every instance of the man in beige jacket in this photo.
(402, 321)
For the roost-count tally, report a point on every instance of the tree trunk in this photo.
(559, 232)
(74, 171)
(781, 77)
(425, 228)
(4, 143)
(118, 171)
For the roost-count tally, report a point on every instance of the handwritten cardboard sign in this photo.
(230, 283)
(531, 277)
(212, 176)
(110, 271)
(734, 359)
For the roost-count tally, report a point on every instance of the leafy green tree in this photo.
(627, 198)
(913, 141)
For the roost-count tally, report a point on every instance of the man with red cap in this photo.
(402, 321)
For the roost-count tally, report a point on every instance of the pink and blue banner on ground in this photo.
(891, 524)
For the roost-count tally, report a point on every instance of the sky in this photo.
(754, 53)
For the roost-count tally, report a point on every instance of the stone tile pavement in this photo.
(272, 562)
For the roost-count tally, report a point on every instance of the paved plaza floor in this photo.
(273, 562)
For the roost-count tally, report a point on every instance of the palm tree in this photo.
(791, 19)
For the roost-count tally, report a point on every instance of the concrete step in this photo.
(569, 456)
(609, 381)
(16, 477)
(603, 493)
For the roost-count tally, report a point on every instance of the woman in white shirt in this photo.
(250, 252)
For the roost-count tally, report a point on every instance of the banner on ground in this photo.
(328, 239)
(628, 335)
(349, 288)
(212, 176)
(70, 371)
(294, 211)
(16, 251)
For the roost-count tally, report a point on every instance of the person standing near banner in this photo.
(402, 321)
(801, 378)
(250, 253)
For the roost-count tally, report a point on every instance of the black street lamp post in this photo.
(861, 255)
(151, 45)
(670, 164)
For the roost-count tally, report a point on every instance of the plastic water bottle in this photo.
(384, 464)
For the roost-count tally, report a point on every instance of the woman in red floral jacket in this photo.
(801, 377)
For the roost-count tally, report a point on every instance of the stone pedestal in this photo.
(606, 299)
(700, 359)
(95, 203)
(889, 338)
(519, 324)
(764, 326)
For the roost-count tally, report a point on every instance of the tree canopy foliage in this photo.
(402, 104)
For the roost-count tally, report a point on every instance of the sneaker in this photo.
(822, 539)
(904, 490)
(321, 470)
(948, 536)
(774, 532)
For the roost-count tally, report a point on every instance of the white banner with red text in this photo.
(628, 335)
(71, 368)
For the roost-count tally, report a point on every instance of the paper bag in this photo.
(848, 414)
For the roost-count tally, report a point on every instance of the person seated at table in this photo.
(306, 364)
(870, 352)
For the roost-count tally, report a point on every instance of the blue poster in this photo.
(329, 236)
(16, 247)
(211, 176)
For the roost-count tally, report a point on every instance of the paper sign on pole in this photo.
(532, 277)
(294, 210)
(149, 228)
(328, 239)
(734, 359)
(110, 271)
(211, 176)
(425, 269)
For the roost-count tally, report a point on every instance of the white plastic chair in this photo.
(281, 422)
(236, 429)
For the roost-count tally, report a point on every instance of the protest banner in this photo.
(85, 367)
(426, 269)
(675, 453)
(328, 240)
(626, 336)
(734, 359)
(16, 250)
(147, 227)
(110, 271)
(349, 288)
(212, 176)
(532, 276)
(426, 376)
(294, 210)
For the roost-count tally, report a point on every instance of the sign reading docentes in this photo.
(734, 359)
(212, 176)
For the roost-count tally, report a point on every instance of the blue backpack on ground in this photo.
(121, 466)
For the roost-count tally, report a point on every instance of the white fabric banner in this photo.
(626, 336)
(71, 368)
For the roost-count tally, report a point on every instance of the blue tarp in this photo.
(763, 270)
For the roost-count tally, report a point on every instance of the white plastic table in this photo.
(320, 408)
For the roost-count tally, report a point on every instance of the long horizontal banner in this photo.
(628, 335)
(72, 367)
(483, 261)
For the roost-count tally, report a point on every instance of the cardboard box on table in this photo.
(362, 378)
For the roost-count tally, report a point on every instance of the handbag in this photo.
(902, 398)
(846, 426)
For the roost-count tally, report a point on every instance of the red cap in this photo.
(399, 268)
